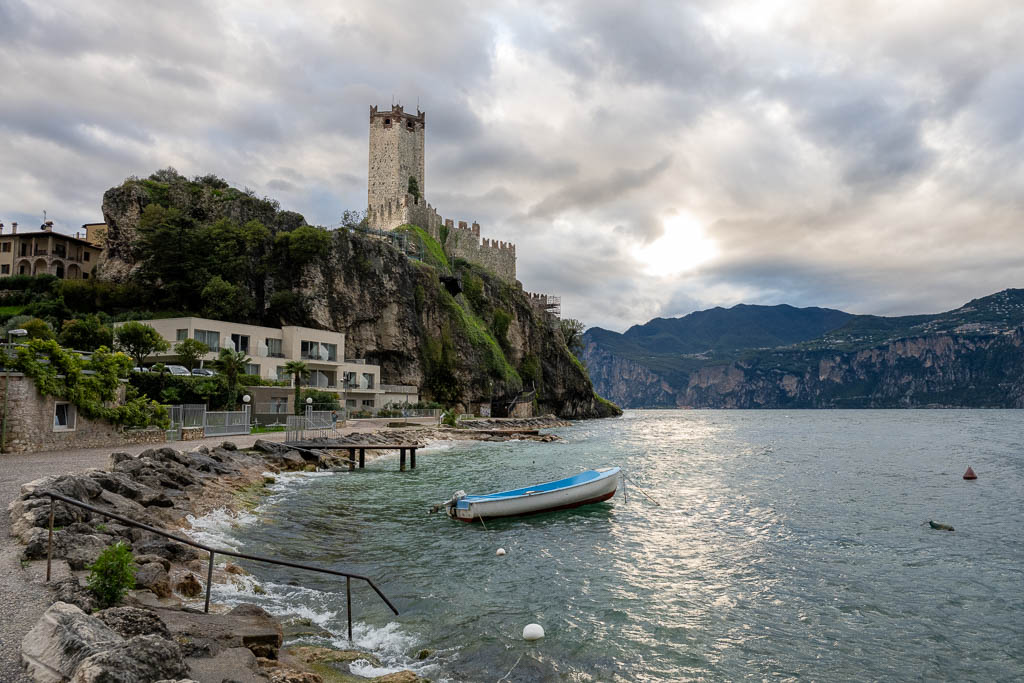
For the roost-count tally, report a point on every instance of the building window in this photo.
(329, 352)
(350, 403)
(252, 369)
(86, 256)
(5, 269)
(368, 403)
(368, 379)
(208, 337)
(310, 350)
(60, 271)
(279, 405)
(6, 247)
(240, 342)
(63, 417)
(181, 335)
(24, 248)
(274, 349)
(350, 380)
(85, 276)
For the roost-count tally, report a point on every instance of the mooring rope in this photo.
(640, 489)
(511, 670)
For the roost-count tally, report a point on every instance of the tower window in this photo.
(387, 122)
(409, 124)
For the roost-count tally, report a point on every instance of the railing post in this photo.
(348, 598)
(49, 541)
(209, 583)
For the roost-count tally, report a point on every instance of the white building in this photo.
(270, 348)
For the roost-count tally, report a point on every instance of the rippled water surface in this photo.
(787, 545)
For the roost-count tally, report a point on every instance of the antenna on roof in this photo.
(44, 215)
(392, 99)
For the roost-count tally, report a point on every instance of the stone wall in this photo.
(498, 257)
(30, 423)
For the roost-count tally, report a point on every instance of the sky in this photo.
(647, 158)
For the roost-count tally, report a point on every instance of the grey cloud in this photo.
(590, 194)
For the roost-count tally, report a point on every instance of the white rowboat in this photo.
(592, 486)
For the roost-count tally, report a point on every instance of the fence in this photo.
(226, 422)
(213, 552)
(186, 416)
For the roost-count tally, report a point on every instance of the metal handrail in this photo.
(212, 551)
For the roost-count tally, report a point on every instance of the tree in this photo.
(354, 220)
(572, 330)
(414, 187)
(190, 351)
(298, 370)
(220, 298)
(231, 364)
(85, 334)
(38, 329)
(139, 340)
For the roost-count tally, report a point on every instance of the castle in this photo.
(397, 187)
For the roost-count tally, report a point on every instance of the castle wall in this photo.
(498, 257)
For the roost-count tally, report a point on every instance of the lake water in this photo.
(787, 545)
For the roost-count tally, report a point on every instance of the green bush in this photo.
(112, 574)
(450, 419)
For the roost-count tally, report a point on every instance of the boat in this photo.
(591, 486)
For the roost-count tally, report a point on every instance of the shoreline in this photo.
(172, 490)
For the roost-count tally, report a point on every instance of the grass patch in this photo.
(480, 337)
(433, 253)
(11, 311)
(265, 429)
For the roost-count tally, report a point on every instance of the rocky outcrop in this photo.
(394, 310)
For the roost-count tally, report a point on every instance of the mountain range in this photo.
(785, 357)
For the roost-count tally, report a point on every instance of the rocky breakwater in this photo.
(153, 636)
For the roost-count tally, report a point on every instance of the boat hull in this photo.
(532, 502)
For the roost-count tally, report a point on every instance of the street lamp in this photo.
(7, 384)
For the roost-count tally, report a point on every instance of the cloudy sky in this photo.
(648, 158)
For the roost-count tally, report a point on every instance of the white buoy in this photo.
(499, 552)
(533, 632)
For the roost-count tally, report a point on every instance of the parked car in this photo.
(202, 372)
(139, 368)
(178, 370)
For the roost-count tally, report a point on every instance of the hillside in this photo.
(200, 247)
(970, 356)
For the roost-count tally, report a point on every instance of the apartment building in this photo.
(323, 352)
(44, 251)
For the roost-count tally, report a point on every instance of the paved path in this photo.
(22, 600)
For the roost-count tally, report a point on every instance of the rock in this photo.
(424, 653)
(267, 479)
(84, 549)
(153, 576)
(149, 557)
(187, 585)
(325, 655)
(168, 549)
(232, 568)
(269, 446)
(292, 676)
(119, 456)
(142, 658)
(74, 593)
(293, 629)
(399, 677)
(229, 446)
(245, 626)
(148, 599)
(134, 621)
(236, 664)
(61, 640)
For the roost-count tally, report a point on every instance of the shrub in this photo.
(450, 419)
(112, 574)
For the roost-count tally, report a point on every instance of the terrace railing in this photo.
(213, 552)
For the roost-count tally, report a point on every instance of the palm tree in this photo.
(299, 371)
(231, 364)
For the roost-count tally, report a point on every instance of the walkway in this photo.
(22, 600)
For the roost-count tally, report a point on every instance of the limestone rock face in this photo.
(61, 640)
(142, 658)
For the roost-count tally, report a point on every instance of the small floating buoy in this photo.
(939, 527)
(499, 552)
(533, 632)
(969, 474)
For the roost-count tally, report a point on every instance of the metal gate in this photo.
(226, 422)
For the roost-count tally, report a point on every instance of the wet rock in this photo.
(303, 628)
(133, 621)
(325, 655)
(244, 626)
(400, 677)
(292, 676)
(154, 577)
(269, 446)
(187, 585)
(72, 592)
(229, 446)
(142, 658)
(61, 640)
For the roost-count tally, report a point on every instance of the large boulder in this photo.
(134, 621)
(72, 592)
(153, 576)
(142, 658)
(61, 640)
(168, 549)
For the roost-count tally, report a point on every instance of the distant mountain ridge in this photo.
(715, 358)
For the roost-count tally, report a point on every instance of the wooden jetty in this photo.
(352, 448)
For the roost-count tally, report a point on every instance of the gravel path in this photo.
(22, 600)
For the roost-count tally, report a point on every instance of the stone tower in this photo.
(396, 153)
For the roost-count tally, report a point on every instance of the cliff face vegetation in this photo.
(972, 356)
(452, 328)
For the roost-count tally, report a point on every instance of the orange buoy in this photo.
(969, 474)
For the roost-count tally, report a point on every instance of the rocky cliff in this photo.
(972, 356)
(461, 334)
